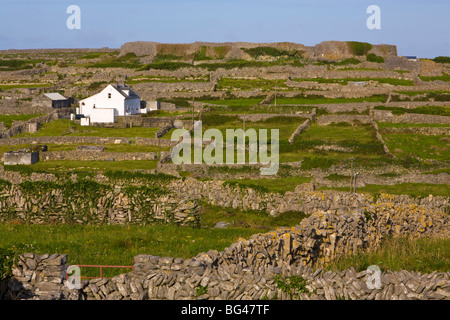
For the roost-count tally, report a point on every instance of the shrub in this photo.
(372, 57)
(293, 285)
(346, 62)
(8, 258)
(359, 48)
(442, 59)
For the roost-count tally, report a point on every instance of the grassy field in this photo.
(278, 185)
(92, 166)
(147, 79)
(117, 245)
(422, 146)
(383, 125)
(411, 189)
(301, 100)
(71, 147)
(251, 84)
(8, 119)
(333, 142)
(61, 127)
(345, 81)
(421, 255)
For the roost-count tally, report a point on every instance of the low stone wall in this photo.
(387, 116)
(161, 132)
(65, 140)
(111, 206)
(77, 155)
(427, 131)
(302, 199)
(248, 269)
(349, 118)
(303, 126)
(174, 87)
(381, 140)
(155, 142)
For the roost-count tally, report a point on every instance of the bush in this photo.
(8, 258)
(346, 62)
(442, 59)
(270, 51)
(372, 57)
(359, 48)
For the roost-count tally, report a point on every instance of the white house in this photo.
(114, 100)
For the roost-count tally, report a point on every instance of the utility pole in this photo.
(354, 189)
(351, 175)
(193, 99)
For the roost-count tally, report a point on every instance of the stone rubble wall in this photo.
(387, 116)
(428, 131)
(302, 199)
(303, 126)
(248, 269)
(115, 206)
(161, 132)
(65, 140)
(95, 156)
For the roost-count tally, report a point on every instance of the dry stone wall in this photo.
(115, 205)
(65, 140)
(303, 199)
(251, 269)
(95, 156)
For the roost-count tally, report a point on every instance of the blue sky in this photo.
(420, 28)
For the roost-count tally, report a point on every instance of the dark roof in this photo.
(132, 94)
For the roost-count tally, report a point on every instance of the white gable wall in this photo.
(102, 101)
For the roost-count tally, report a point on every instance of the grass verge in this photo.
(425, 255)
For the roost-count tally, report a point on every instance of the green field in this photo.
(62, 126)
(345, 81)
(251, 84)
(117, 245)
(91, 166)
(422, 146)
(300, 100)
(334, 142)
(9, 119)
(421, 255)
(411, 189)
(278, 185)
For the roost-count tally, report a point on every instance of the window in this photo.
(109, 95)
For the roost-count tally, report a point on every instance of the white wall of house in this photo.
(102, 115)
